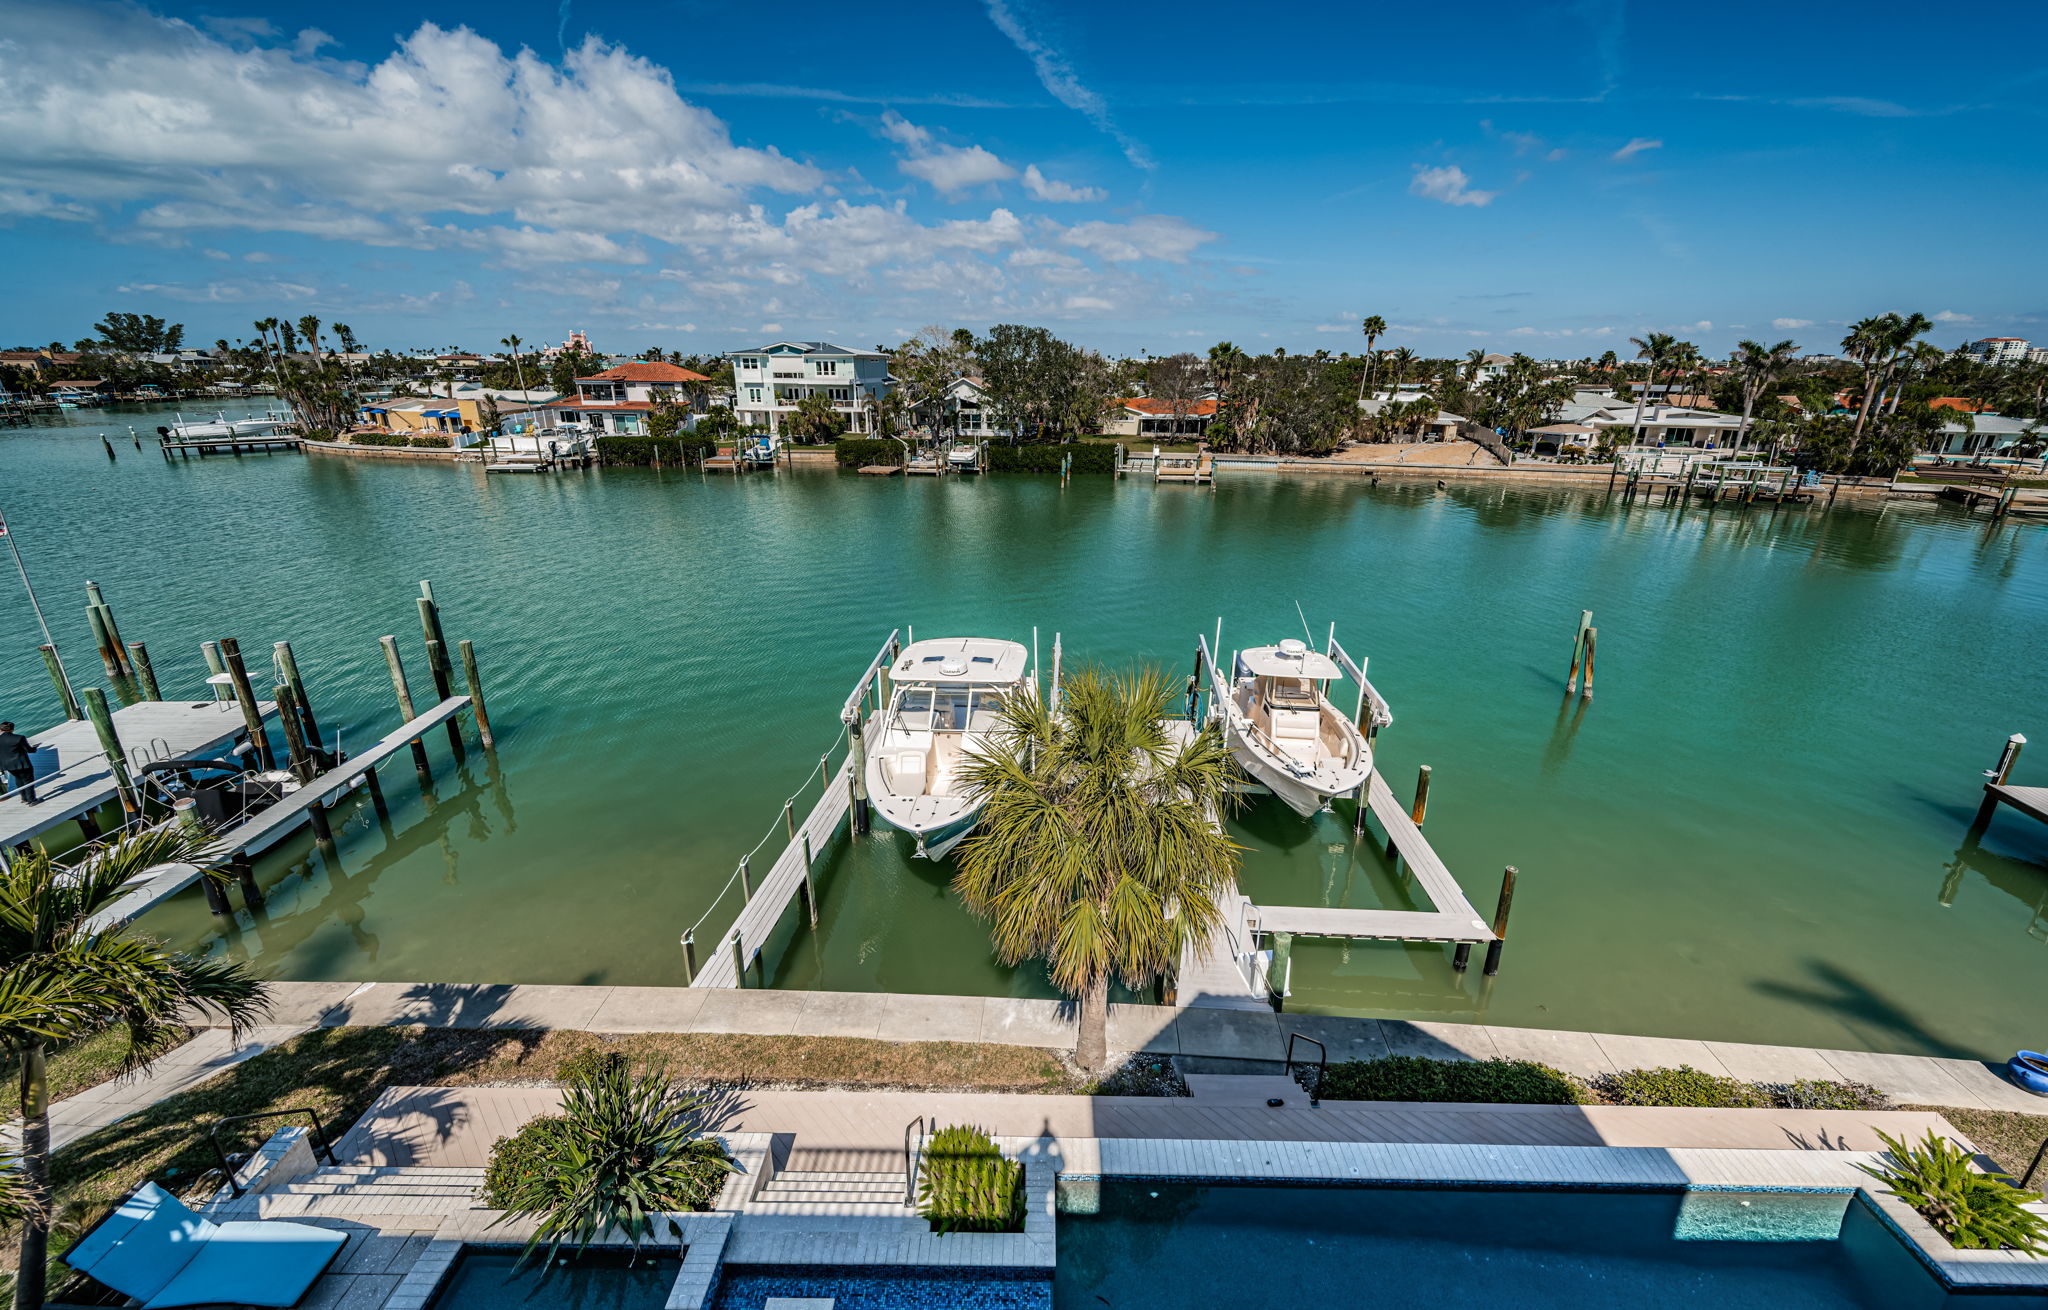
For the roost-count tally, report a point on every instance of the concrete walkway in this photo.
(1208, 1040)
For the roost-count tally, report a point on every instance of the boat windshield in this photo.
(944, 708)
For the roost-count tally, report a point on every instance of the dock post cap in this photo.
(2018, 739)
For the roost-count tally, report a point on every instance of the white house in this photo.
(1142, 416)
(1989, 434)
(769, 381)
(618, 400)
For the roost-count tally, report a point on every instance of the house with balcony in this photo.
(618, 400)
(770, 381)
(1142, 416)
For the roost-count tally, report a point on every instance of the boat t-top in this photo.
(948, 696)
(1284, 731)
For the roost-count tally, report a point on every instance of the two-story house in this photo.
(770, 381)
(618, 399)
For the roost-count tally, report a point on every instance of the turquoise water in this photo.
(1160, 1245)
(1753, 832)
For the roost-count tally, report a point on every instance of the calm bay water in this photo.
(1751, 833)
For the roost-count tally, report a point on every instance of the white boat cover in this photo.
(974, 660)
(1290, 659)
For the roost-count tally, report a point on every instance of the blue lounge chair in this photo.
(154, 1249)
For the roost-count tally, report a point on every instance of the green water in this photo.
(1748, 834)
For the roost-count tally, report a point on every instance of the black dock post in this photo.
(1500, 922)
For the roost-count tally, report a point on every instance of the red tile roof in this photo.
(1147, 405)
(641, 370)
(1957, 402)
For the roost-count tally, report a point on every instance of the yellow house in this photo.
(425, 414)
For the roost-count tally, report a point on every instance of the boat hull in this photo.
(1296, 792)
(934, 841)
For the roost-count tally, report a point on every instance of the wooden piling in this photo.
(110, 743)
(245, 696)
(55, 667)
(404, 694)
(739, 960)
(810, 893)
(1282, 966)
(1592, 644)
(95, 600)
(746, 879)
(1500, 922)
(288, 665)
(110, 660)
(138, 658)
(437, 664)
(245, 875)
(1461, 959)
(476, 695)
(857, 775)
(1571, 679)
(689, 957)
(789, 818)
(2008, 756)
(376, 790)
(214, 663)
(1415, 811)
(294, 734)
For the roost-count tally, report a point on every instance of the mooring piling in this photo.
(404, 694)
(288, 666)
(1571, 679)
(376, 790)
(1592, 644)
(2008, 755)
(294, 734)
(110, 744)
(215, 665)
(810, 893)
(245, 696)
(739, 960)
(245, 874)
(1500, 922)
(94, 600)
(856, 768)
(55, 668)
(1418, 809)
(109, 445)
(789, 818)
(476, 695)
(746, 879)
(138, 658)
(689, 957)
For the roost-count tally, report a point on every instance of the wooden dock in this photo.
(246, 443)
(1197, 469)
(84, 781)
(726, 460)
(788, 879)
(881, 470)
(269, 826)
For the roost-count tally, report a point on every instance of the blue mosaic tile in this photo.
(867, 1287)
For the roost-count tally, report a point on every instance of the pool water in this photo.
(751, 1287)
(596, 1280)
(1157, 1245)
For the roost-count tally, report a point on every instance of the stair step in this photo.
(301, 1187)
(826, 1203)
(880, 1179)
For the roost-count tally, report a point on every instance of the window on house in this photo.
(842, 393)
(827, 367)
(753, 395)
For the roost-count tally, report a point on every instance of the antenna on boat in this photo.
(1304, 626)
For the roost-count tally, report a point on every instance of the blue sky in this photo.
(1144, 177)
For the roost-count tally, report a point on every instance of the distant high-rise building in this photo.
(2001, 350)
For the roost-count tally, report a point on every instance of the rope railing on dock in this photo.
(818, 772)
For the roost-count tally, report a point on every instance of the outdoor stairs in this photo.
(1212, 1090)
(342, 1190)
(832, 1192)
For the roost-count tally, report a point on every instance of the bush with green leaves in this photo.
(965, 1185)
(627, 1147)
(1974, 1211)
(857, 452)
(1683, 1086)
(1824, 1094)
(1475, 1082)
(1089, 457)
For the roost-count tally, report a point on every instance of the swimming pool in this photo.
(1150, 1246)
(490, 1279)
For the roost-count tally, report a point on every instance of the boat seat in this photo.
(1296, 732)
(905, 770)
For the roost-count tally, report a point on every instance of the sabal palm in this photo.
(1758, 366)
(1655, 347)
(1374, 328)
(61, 979)
(1099, 850)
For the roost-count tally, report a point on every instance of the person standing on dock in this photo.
(14, 760)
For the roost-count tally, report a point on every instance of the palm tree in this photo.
(1099, 849)
(1374, 328)
(61, 980)
(814, 419)
(1401, 359)
(1655, 347)
(512, 343)
(309, 328)
(1758, 366)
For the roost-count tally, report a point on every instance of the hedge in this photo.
(1474, 1082)
(679, 449)
(854, 452)
(1089, 457)
(373, 437)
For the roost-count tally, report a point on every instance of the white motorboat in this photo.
(762, 452)
(223, 427)
(948, 693)
(964, 457)
(1284, 731)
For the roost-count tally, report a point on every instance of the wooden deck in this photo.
(881, 470)
(232, 445)
(2030, 801)
(149, 729)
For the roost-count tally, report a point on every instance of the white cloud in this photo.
(1789, 323)
(769, 327)
(1057, 76)
(228, 292)
(1088, 303)
(1044, 188)
(1448, 184)
(1950, 316)
(946, 168)
(1335, 327)
(1149, 236)
(1636, 146)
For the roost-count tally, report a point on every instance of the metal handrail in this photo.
(911, 1158)
(228, 1169)
(1322, 1062)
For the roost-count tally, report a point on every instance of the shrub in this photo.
(625, 1149)
(586, 1064)
(1974, 1211)
(1822, 1094)
(1479, 1082)
(1089, 457)
(378, 437)
(1683, 1086)
(436, 441)
(853, 452)
(631, 449)
(964, 1185)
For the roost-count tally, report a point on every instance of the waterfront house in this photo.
(1986, 434)
(1142, 416)
(620, 399)
(1444, 427)
(769, 381)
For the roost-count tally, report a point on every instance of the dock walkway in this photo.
(151, 729)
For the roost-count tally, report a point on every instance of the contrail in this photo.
(1057, 76)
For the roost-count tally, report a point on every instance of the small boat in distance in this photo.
(948, 695)
(1284, 731)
